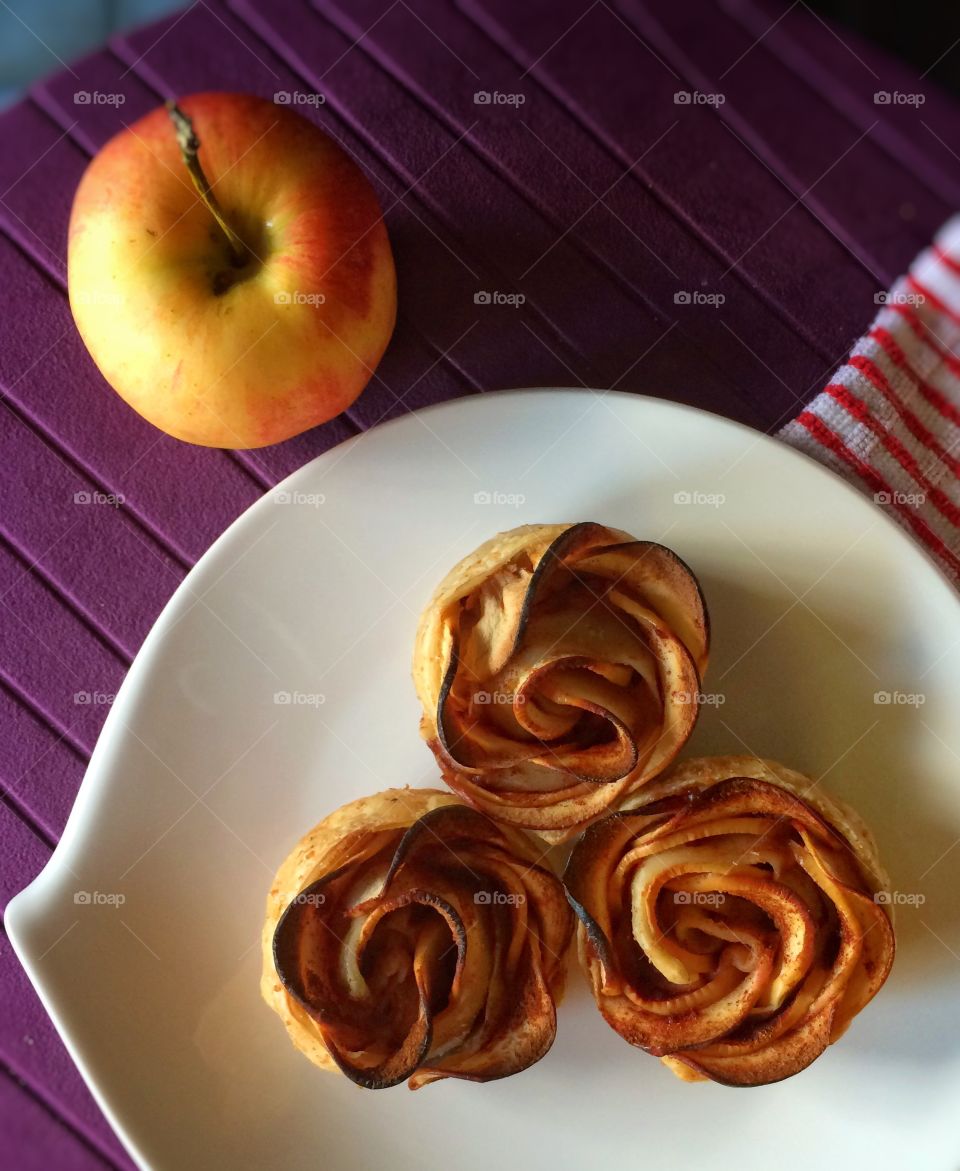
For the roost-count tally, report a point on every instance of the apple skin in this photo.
(212, 353)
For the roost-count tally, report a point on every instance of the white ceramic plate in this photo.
(201, 783)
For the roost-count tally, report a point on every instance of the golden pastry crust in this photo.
(409, 937)
(558, 667)
(727, 919)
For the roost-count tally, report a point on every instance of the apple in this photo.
(229, 271)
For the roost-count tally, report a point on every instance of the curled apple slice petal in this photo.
(559, 668)
(727, 919)
(410, 938)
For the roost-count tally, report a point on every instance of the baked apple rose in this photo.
(409, 937)
(727, 920)
(558, 667)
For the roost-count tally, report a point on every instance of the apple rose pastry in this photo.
(728, 922)
(558, 667)
(409, 937)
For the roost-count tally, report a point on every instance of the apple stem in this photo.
(189, 147)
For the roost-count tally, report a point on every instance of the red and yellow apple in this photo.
(215, 342)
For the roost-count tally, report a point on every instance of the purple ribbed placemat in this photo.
(599, 198)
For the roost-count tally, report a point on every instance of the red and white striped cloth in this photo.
(889, 420)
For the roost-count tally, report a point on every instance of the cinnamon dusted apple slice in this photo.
(408, 937)
(728, 922)
(558, 667)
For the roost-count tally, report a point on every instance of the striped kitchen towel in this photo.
(889, 420)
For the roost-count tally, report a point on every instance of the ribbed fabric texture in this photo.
(889, 419)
